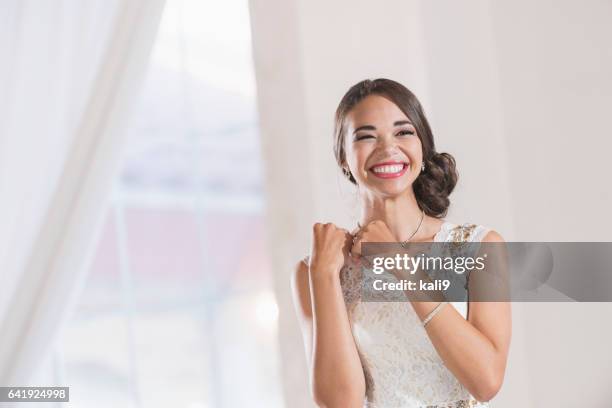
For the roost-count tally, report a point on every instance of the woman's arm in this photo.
(336, 374)
(474, 350)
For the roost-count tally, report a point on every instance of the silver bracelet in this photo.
(433, 313)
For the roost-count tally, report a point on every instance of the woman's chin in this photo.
(389, 190)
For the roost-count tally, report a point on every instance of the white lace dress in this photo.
(400, 364)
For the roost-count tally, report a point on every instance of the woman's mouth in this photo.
(389, 169)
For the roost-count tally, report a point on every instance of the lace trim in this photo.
(471, 403)
(462, 233)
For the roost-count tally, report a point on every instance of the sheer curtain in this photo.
(68, 73)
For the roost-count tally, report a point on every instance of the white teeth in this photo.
(388, 169)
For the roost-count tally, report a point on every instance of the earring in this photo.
(422, 167)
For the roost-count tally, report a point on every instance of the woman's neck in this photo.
(401, 214)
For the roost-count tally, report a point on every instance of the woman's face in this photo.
(383, 151)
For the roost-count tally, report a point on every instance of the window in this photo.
(177, 309)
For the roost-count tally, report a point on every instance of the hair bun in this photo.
(436, 183)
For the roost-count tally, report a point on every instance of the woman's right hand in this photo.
(330, 249)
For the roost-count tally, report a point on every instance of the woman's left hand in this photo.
(375, 231)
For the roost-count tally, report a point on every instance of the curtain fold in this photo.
(69, 74)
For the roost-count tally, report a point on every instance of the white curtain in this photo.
(68, 73)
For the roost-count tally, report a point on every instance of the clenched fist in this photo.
(330, 248)
(375, 231)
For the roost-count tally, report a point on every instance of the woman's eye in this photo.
(362, 137)
(405, 133)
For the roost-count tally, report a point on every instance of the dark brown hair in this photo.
(433, 186)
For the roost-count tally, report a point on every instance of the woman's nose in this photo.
(387, 143)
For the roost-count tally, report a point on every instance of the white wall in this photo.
(554, 61)
(515, 90)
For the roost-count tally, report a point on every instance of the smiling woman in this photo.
(404, 353)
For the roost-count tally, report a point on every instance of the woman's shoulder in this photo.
(468, 232)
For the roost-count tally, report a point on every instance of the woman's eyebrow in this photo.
(365, 127)
(402, 122)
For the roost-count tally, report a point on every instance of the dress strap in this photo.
(467, 232)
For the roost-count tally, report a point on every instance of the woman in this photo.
(381, 354)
